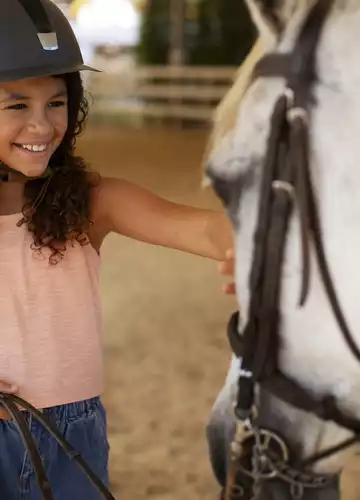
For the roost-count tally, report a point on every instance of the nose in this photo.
(39, 123)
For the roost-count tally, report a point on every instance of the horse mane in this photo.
(224, 119)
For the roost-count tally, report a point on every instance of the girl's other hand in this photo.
(7, 389)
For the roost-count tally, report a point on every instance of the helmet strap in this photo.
(8, 174)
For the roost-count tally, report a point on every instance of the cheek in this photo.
(60, 122)
(10, 129)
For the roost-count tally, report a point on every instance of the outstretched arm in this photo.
(127, 209)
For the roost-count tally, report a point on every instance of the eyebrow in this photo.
(20, 97)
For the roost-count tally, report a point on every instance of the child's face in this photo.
(33, 122)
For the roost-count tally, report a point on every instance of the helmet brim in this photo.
(42, 71)
(85, 67)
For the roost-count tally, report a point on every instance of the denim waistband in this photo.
(72, 411)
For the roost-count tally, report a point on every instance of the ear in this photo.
(272, 16)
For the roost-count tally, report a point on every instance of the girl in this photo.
(54, 216)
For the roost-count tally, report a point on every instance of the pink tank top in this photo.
(50, 320)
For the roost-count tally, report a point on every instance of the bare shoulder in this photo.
(105, 191)
(98, 230)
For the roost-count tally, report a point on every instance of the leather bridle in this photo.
(286, 181)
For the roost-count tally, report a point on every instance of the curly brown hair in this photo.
(57, 208)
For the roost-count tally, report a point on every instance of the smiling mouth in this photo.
(32, 148)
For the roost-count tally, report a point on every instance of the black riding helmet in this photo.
(37, 40)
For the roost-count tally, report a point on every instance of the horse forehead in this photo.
(245, 144)
(338, 73)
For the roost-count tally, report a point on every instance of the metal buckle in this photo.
(244, 429)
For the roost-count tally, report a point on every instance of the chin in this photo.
(31, 171)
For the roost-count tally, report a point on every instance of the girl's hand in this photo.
(227, 268)
(8, 389)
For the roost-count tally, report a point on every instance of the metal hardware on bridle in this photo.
(285, 186)
(295, 113)
(11, 402)
(286, 181)
(262, 439)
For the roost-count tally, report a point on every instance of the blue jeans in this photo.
(83, 424)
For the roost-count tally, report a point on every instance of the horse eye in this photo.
(221, 186)
(223, 189)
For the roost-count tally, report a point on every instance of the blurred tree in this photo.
(154, 38)
(236, 30)
(217, 32)
(201, 37)
(224, 34)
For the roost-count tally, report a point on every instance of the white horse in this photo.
(313, 351)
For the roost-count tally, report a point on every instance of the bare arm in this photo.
(127, 209)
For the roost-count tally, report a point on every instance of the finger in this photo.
(4, 414)
(227, 267)
(229, 289)
(8, 388)
(230, 254)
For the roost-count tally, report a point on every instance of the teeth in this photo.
(34, 148)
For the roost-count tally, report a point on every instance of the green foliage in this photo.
(154, 39)
(217, 32)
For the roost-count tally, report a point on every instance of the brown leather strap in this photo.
(287, 164)
(38, 15)
(273, 66)
(8, 174)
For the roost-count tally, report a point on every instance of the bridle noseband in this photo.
(286, 180)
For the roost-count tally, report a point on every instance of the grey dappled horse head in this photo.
(312, 350)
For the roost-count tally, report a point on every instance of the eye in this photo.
(17, 106)
(220, 185)
(230, 189)
(222, 189)
(57, 104)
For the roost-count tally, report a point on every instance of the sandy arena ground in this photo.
(165, 316)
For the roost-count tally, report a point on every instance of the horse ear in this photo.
(272, 16)
(266, 15)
